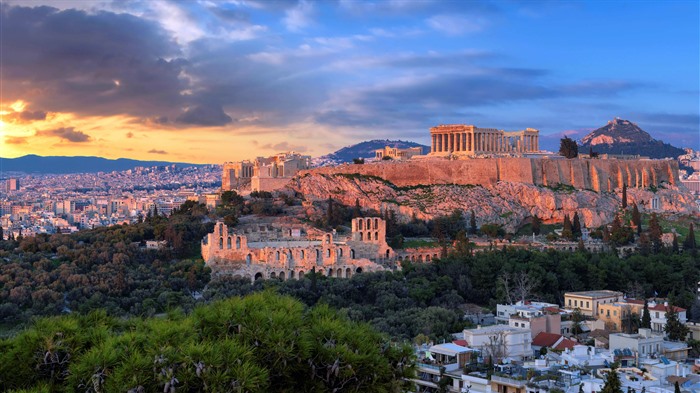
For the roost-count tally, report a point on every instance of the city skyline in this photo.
(207, 82)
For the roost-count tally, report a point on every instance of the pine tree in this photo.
(644, 244)
(472, 223)
(637, 218)
(676, 387)
(624, 196)
(674, 245)
(689, 242)
(576, 226)
(655, 233)
(329, 212)
(357, 212)
(612, 381)
(567, 232)
(646, 316)
(568, 147)
(536, 225)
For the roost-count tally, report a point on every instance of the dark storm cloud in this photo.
(68, 134)
(97, 63)
(205, 115)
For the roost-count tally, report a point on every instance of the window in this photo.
(569, 302)
(575, 303)
(657, 314)
(615, 313)
(588, 305)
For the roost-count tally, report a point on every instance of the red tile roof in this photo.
(461, 343)
(544, 339)
(661, 307)
(565, 343)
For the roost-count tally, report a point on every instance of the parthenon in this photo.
(470, 140)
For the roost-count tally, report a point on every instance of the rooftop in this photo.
(595, 294)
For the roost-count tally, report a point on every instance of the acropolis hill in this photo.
(588, 174)
(503, 178)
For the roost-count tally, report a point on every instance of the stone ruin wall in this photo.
(592, 174)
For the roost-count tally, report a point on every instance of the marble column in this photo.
(459, 142)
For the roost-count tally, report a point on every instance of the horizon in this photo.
(208, 82)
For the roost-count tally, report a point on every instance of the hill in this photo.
(364, 150)
(624, 137)
(60, 164)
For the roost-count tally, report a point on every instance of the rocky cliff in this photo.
(505, 203)
(597, 175)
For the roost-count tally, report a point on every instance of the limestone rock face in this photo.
(506, 203)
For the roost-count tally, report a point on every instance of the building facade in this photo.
(462, 139)
(264, 173)
(588, 301)
(396, 153)
(289, 252)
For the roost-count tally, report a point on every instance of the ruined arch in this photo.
(302, 254)
(348, 273)
(330, 272)
(273, 275)
(291, 274)
(339, 273)
(358, 270)
(340, 252)
(281, 276)
(277, 256)
(328, 238)
(376, 235)
(221, 243)
(221, 229)
(359, 224)
(328, 253)
(238, 242)
(301, 274)
(258, 276)
(248, 259)
(228, 242)
(352, 253)
(361, 236)
(388, 253)
(376, 223)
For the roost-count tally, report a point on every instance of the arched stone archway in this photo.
(221, 243)
(348, 273)
(281, 276)
(339, 273)
(358, 270)
(330, 272)
(301, 274)
(228, 243)
(273, 275)
(238, 242)
(258, 276)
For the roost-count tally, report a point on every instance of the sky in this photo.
(207, 81)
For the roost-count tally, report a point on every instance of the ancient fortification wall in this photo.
(595, 174)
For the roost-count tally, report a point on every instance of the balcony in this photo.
(517, 383)
(449, 367)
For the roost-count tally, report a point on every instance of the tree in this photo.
(689, 242)
(567, 232)
(655, 233)
(624, 196)
(358, 161)
(536, 224)
(676, 388)
(568, 148)
(472, 223)
(591, 153)
(646, 316)
(496, 349)
(576, 226)
(612, 381)
(674, 328)
(674, 244)
(576, 320)
(357, 211)
(637, 218)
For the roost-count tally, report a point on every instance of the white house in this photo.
(508, 341)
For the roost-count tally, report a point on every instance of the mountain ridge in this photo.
(364, 149)
(33, 163)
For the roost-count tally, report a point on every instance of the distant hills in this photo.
(58, 165)
(364, 150)
(624, 137)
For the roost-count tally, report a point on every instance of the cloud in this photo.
(15, 140)
(299, 17)
(154, 151)
(25, 116)
(68, 134)
(205, 115)
(77, 55)
(456, 25)
(284, 146)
